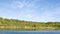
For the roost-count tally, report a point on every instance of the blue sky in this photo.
(31, 10)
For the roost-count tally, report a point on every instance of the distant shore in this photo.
(14, 24)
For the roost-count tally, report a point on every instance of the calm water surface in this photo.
(31, 32)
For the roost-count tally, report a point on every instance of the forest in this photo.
(15, 24)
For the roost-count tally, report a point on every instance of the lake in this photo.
(31, 32)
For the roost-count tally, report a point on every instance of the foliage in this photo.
(14, 24)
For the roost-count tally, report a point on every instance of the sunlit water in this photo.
(31, 32)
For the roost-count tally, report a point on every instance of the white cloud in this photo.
(17, 4)
(28, 4)
(28, 13)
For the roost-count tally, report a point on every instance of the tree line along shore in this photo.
(14, 24)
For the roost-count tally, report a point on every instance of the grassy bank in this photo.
(14, 24)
